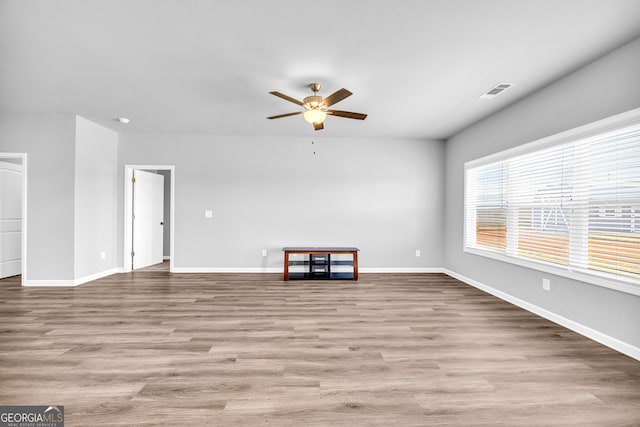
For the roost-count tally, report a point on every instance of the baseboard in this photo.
(280, 270)
(67, 283)
(74, 282)
(226, 270)
(166, 257)
(604, 339)
(401, 270)
(96, 276)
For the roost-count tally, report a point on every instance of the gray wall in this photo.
(606, 87)
(48, 139)
(96, 157)
(166, 235)
(383, 195)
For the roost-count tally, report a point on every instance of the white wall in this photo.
(49, 141)
(95, 198)
(382, 195)
(604, 88)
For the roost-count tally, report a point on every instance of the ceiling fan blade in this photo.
(335, 97)
(318, 126)
(279, 116)
(347, 114)
(287, 97)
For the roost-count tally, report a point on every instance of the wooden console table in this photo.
(317, 262)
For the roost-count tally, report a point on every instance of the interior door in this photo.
(148, 218)
(10, 219)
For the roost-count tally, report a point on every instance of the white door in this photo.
(10, 219)
(148, 218)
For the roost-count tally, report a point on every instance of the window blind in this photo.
(573, 205)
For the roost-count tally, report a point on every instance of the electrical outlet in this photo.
(208, 214)
(103, 255)
(418, 253)
(264, 252)
(546, 284)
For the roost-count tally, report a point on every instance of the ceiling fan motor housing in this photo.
(312, 102)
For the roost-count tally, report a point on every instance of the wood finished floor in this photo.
(150, 348)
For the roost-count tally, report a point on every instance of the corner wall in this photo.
(71, 195)
(48, 140)
(603, 88)
(96, 157)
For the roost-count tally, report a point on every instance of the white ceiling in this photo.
(416, 67)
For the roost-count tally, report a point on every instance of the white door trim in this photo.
(22, 156)
(128, 174)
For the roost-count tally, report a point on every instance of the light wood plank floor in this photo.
(150, 348)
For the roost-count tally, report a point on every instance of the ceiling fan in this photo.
(316, 108)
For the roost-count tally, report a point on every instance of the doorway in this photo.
(13, 215)
(146, 218)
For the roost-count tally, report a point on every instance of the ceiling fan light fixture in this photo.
(315, 116)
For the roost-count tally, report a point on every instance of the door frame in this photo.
(128, 206)
(23, 157)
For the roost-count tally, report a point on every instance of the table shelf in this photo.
(320, 263)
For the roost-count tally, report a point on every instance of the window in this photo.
(568, 204)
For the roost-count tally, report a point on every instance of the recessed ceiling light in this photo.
(123, 120)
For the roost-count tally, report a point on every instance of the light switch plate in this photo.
(208, 214)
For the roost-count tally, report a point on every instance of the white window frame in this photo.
(584, 133)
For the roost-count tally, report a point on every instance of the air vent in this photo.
(496, 90)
